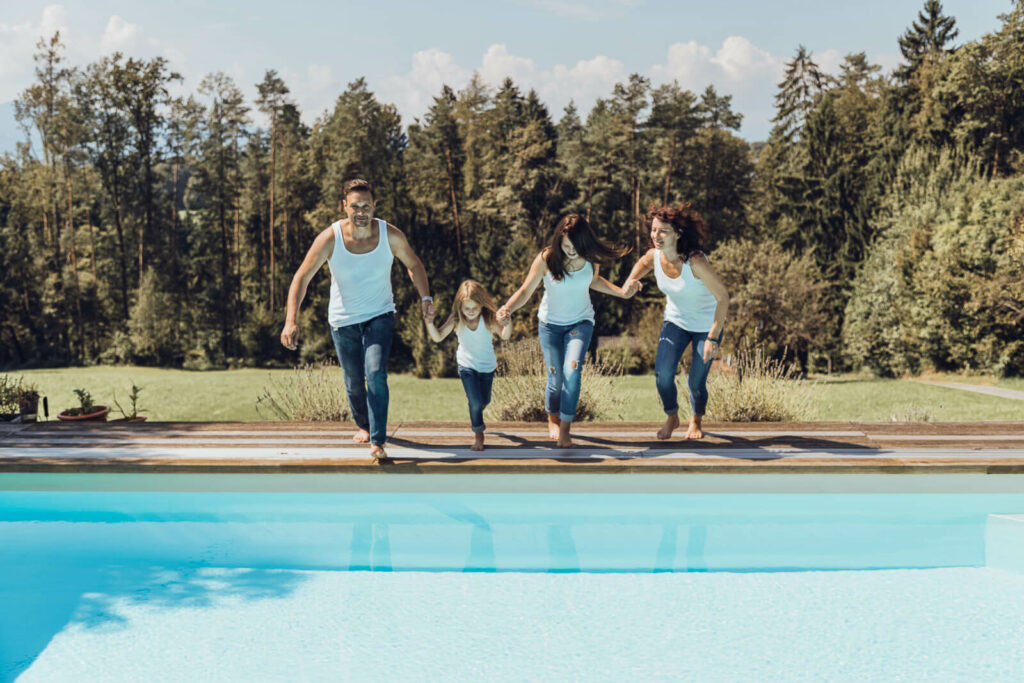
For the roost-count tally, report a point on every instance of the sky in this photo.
(565, 49)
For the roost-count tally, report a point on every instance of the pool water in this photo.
(216, 585)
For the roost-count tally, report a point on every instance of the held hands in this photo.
(630, 287)
(427, 308)
(290, 335)
(504, 316)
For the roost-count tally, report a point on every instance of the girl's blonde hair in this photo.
(471, 290)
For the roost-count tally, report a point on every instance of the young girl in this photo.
(474, 320)
(569, 268)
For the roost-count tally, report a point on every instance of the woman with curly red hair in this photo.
(696, 306)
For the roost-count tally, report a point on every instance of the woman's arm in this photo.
(438, 335)
(642, 267)
(537, 270)
(704, 272)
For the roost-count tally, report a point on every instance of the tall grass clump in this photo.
(756, 388)
(309, 394)
(518, 393)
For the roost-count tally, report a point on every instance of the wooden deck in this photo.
(424, 447)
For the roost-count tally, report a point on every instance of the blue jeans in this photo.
(565, 348)
(363, 351)
(671, 344)
(478, 393)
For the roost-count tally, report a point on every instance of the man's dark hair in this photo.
(359, 185)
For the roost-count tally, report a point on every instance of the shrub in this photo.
(756, 388)
(518, 393)
(912, 412)
(311, 393)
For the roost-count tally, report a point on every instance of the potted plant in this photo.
(28, 402)
(133, 415)
(87, 410)
(8, 398)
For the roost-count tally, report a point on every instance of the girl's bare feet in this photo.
(670, 426)
(564, 438)
(553, 426)
(362, 436)
(694, 431)
(378, 453)
(478, 442)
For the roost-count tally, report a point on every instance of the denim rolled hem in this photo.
(566, 418)
(479, 430)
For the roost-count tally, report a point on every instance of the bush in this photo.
(312, 393)
(518, 393)
(756, 388)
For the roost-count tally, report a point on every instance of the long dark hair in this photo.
(587, 245)
(691, 230)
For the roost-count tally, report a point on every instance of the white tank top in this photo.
(688, 301)
(567, 301)
(360, 283)
(476, 347)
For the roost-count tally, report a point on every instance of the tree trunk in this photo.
(123, 254)
(455, 206)
(273, 168)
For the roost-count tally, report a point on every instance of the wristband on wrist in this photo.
(427, 298)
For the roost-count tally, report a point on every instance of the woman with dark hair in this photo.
(569, 267)
(696, 305)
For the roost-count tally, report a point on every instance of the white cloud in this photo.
(120, 36)
(18, 45)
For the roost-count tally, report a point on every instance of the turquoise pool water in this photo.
(233, 585)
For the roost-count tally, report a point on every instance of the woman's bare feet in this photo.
(564, 438)
(553, 424)
(694, 431)
(478, 442)
(670, 426)
(378, 453)
(362, 436)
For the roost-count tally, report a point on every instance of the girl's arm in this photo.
(601, 284)
(502, 329)
(537, 271)
(438, 335)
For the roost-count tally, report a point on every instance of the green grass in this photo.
(231, 395)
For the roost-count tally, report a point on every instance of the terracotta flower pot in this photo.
(98, 414)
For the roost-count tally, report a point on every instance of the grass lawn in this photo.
(230, 395)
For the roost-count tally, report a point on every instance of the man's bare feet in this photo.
(378, 453)
(694, 431)
(478, 442)
(670, 426)
(564, 438)
(362, 436)
(553, 422)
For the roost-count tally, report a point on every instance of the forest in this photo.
(880, 226)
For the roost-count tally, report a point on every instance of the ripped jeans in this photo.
(671, 344)
(565, 348)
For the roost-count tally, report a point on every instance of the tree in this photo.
(925, 40)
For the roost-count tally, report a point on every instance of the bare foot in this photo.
(670, 426)
(553, 422)
(478, 442)
(564, 438)
(362, 436)
(378, 453)
(694, 431)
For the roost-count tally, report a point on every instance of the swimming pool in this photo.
(312, 577)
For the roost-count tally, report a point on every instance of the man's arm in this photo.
(315, 258)
(401, 248)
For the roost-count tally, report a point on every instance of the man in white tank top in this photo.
(359, 251)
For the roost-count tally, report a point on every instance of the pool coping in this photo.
(517, 448)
